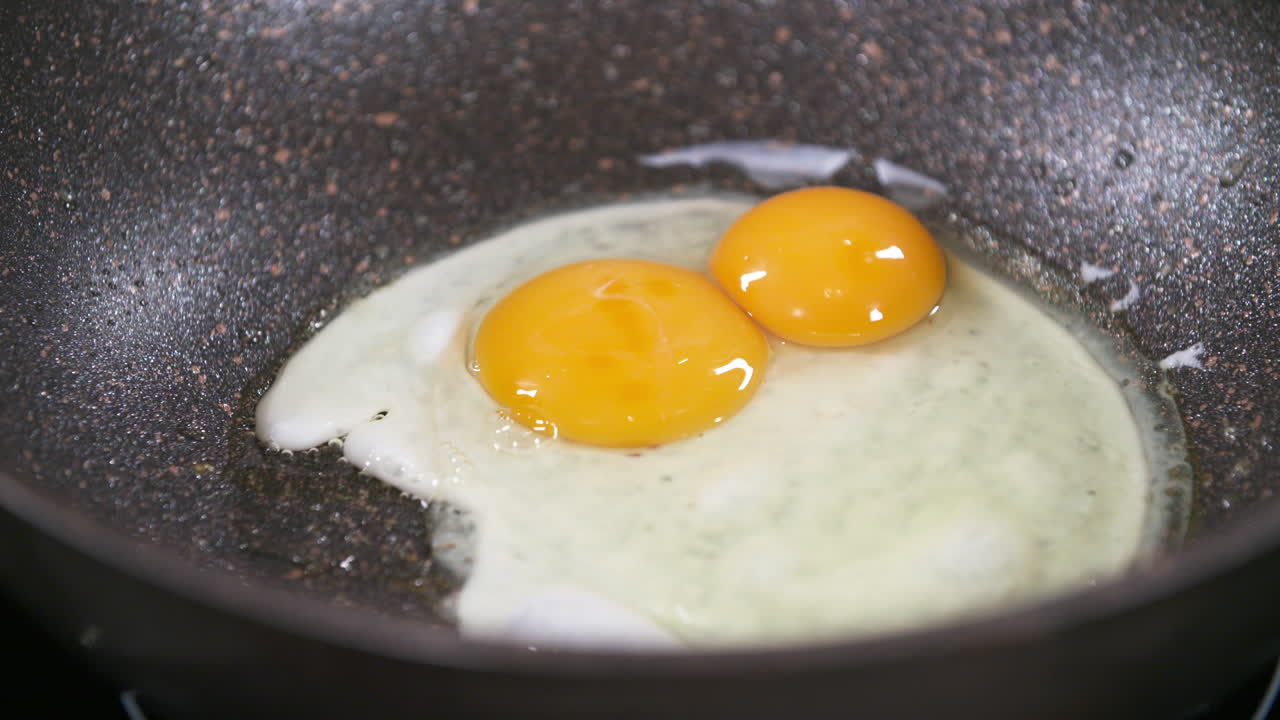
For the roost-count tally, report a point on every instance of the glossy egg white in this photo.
(981, 459)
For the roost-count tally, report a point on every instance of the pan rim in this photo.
(401, 638)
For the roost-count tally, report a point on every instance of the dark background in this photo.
(82, 692)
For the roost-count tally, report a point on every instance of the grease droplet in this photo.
(1233, 172)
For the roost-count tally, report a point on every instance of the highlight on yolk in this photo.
(620, 353)
(830, 266)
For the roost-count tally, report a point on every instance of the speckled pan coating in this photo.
(185, 186)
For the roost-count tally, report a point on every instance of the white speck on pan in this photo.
(1188, 357)
(910, 189)
(1092, 273)
(891, 174)
(772, 164)
(1129, 298)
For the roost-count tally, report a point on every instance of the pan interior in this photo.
(187, 188)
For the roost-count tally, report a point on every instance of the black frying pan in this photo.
(186, 186)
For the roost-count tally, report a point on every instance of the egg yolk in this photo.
(619, 353)
(830, 266)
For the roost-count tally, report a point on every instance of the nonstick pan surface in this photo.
(187, 187)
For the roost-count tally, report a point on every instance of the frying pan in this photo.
(187, 188)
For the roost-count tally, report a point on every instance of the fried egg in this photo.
(974, 458)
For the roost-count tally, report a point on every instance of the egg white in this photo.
(982, 458)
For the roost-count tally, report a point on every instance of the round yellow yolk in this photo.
(620, 353)
(830, 266)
